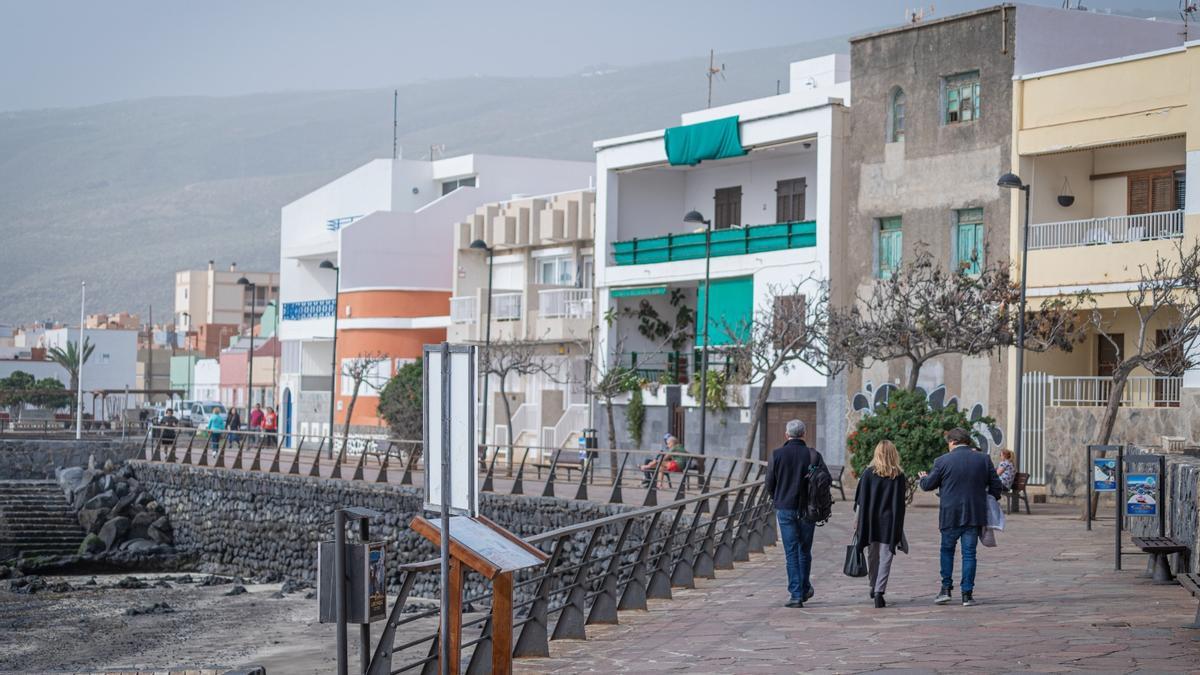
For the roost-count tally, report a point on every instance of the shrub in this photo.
(400, 402)
(908, 421)
(635, 417)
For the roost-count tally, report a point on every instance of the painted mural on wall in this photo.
(989, 436)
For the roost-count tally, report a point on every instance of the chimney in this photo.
(232, 267)
(210, 265)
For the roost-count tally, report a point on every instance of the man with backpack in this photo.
(799, 484)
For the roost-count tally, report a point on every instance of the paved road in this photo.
(1050, 602)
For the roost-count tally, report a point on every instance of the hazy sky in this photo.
(60, 53)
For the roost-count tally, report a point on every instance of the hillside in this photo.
(124, 194)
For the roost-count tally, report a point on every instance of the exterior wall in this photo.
(1044, 37)
(207, 383)
(214, 296)
(182, 375)
(113, 364)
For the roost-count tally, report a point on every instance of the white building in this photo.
(112, 366)
(214, 296)
(206, 382)
(772, 189)
(425, 199)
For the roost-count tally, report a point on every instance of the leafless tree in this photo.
(1166, 302)
(359, 370)
(925, 311)
(791, 329)
(504, 358)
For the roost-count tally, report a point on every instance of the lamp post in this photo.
(250, 357)
(337, 282)
(79, 366)
(191, 363)
(694, 217)
(481, 245)
(1012, 181)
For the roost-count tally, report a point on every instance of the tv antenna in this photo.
(1187, 12)
(712, 72)
(395, 106)
(917, 15)
(435, 148)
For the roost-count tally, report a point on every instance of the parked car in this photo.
(196, 413)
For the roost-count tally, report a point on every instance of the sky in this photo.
(60, 53)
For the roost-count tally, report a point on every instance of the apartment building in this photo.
(930, 134)
(213, 296)
(111, 368)
(375, 248)
(234, 377)
(539, 271)
(772, 189)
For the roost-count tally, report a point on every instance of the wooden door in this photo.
(1108, 353)
(789, 200)
(727, 207)
(772, 433)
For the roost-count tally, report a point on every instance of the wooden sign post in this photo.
(482, 546)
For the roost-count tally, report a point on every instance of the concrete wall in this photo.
(1053, 38)
(38, 459)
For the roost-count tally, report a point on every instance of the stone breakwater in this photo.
(256, 524)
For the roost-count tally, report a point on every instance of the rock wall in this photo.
(25, 459)
(256, 524)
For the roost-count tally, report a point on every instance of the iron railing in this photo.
(1144, 391)
(1106, 230)
(575, 303)
(724, 242)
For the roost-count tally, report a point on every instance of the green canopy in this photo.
(715, 139)
(637, 291)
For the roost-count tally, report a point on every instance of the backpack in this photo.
(818, 505)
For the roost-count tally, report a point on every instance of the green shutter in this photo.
(968, 254)
(732, 310)
(891, 242)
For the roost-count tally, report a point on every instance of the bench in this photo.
(835, 473)
(1159, 548)
(567, 464)
(1191, 584)
(1017, 493)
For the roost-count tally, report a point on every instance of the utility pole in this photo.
(149, 378)
(395, 108)
(712, 72)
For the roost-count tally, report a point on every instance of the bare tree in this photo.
(790, 330)
(359, 370)
(512, 357)
(925, 311)
(1166, 295)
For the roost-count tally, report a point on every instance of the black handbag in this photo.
(856, 562)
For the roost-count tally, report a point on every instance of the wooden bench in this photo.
(566, 464)
(1159, 548)
(835, 473)
(1017, 493)
(1191, 584)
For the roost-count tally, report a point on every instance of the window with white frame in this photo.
(374, 381)
(452, 185)
(556, 271)
(961, 98)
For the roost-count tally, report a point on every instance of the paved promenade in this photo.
(1050, 602)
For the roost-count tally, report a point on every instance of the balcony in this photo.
(309, 309)
(726, 242)
(1106, 230)
(573, 303)
(506, 306)
(464, 309)
(1148, 391)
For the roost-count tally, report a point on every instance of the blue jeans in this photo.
(970, 539)
(797, 536)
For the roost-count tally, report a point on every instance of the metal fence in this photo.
(1106, 230)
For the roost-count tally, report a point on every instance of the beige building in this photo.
(542, 269)
(212, 296)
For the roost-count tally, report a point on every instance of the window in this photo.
(372, 383)
(1155, 190)
(896, 116)
(890, 244)
(586, 272)
(1180, 189)
(789, 200)
(452, 185)
(728, 207)
(556, 271)
(961, 97)
(968, 240)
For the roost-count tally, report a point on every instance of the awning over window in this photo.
(637, 291)
(716, 139)
(732, 311)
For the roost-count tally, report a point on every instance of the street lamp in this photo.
(481, 245)
(337, 281)
(695, 218)
(250, 358)
(1012, 181)
(191, 363)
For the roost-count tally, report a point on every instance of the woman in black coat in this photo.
(880, 501)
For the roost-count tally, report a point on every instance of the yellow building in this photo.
(1105, 149)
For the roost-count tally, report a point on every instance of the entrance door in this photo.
(772, 434)
(1108, 353)
(727, 210)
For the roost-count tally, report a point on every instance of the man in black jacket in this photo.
(967, 479)
(787, 473)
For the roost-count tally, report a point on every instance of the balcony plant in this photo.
(635, 417)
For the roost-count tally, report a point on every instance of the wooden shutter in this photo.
(1152, 191)
(1162, 192)
(1139, 194)
(789, 200)
(727, 207)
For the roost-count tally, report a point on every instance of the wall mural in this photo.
(989, 435)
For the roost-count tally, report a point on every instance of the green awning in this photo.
(637, 291)
(715, 139)
(732, 311)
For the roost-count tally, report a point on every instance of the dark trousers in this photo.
(969, 536)
(796, 533)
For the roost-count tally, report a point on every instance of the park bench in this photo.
(568, 465)
(1191, 584)
(1159, 548)
(1017, 493)
(835, 473)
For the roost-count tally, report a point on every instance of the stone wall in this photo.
(1068, 430)
(27, 459)
(255, 524)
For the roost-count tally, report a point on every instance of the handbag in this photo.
(856, 562)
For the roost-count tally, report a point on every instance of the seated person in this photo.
(667, 461)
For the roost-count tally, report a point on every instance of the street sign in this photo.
(455, 379)
(1141, 494)
(1104, 475)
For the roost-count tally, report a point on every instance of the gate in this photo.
(1035, 396)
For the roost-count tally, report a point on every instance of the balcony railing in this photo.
(464, 309)
(574, 303)
(732, 241)
(506, 306)
(1106, 230)
(1147, 391)
(309, 309)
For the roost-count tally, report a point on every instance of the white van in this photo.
(196, 413)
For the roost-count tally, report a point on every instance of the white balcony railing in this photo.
(464, 309)
(575, 303)
(1107, 230)
(506, 306)
(1146, 391)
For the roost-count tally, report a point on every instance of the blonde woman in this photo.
(880, 501)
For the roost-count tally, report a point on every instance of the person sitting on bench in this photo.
(667, 459)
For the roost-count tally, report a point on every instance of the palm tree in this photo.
(69, 359)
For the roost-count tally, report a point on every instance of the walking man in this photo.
(966, 479)
(788, 471)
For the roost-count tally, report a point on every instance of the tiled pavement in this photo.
(1050, 602)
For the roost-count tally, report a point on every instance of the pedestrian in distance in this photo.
(168, 424)
(233, 423)
(880, 503)
(269, 425)
(966, 479)
(216, 425)
(256, 417)
(799, 484)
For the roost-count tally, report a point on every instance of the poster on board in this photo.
(460, 418)
(1104, 475)
(376, 582)
(1141, 494)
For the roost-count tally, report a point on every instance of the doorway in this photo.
(771, 433)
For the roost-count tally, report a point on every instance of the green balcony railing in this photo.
(733, 241)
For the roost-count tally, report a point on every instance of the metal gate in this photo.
(1035, 393)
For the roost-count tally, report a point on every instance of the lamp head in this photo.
(695, 217)
(1011, 181)
(244, 282)
(327, 265)
(480, 245)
